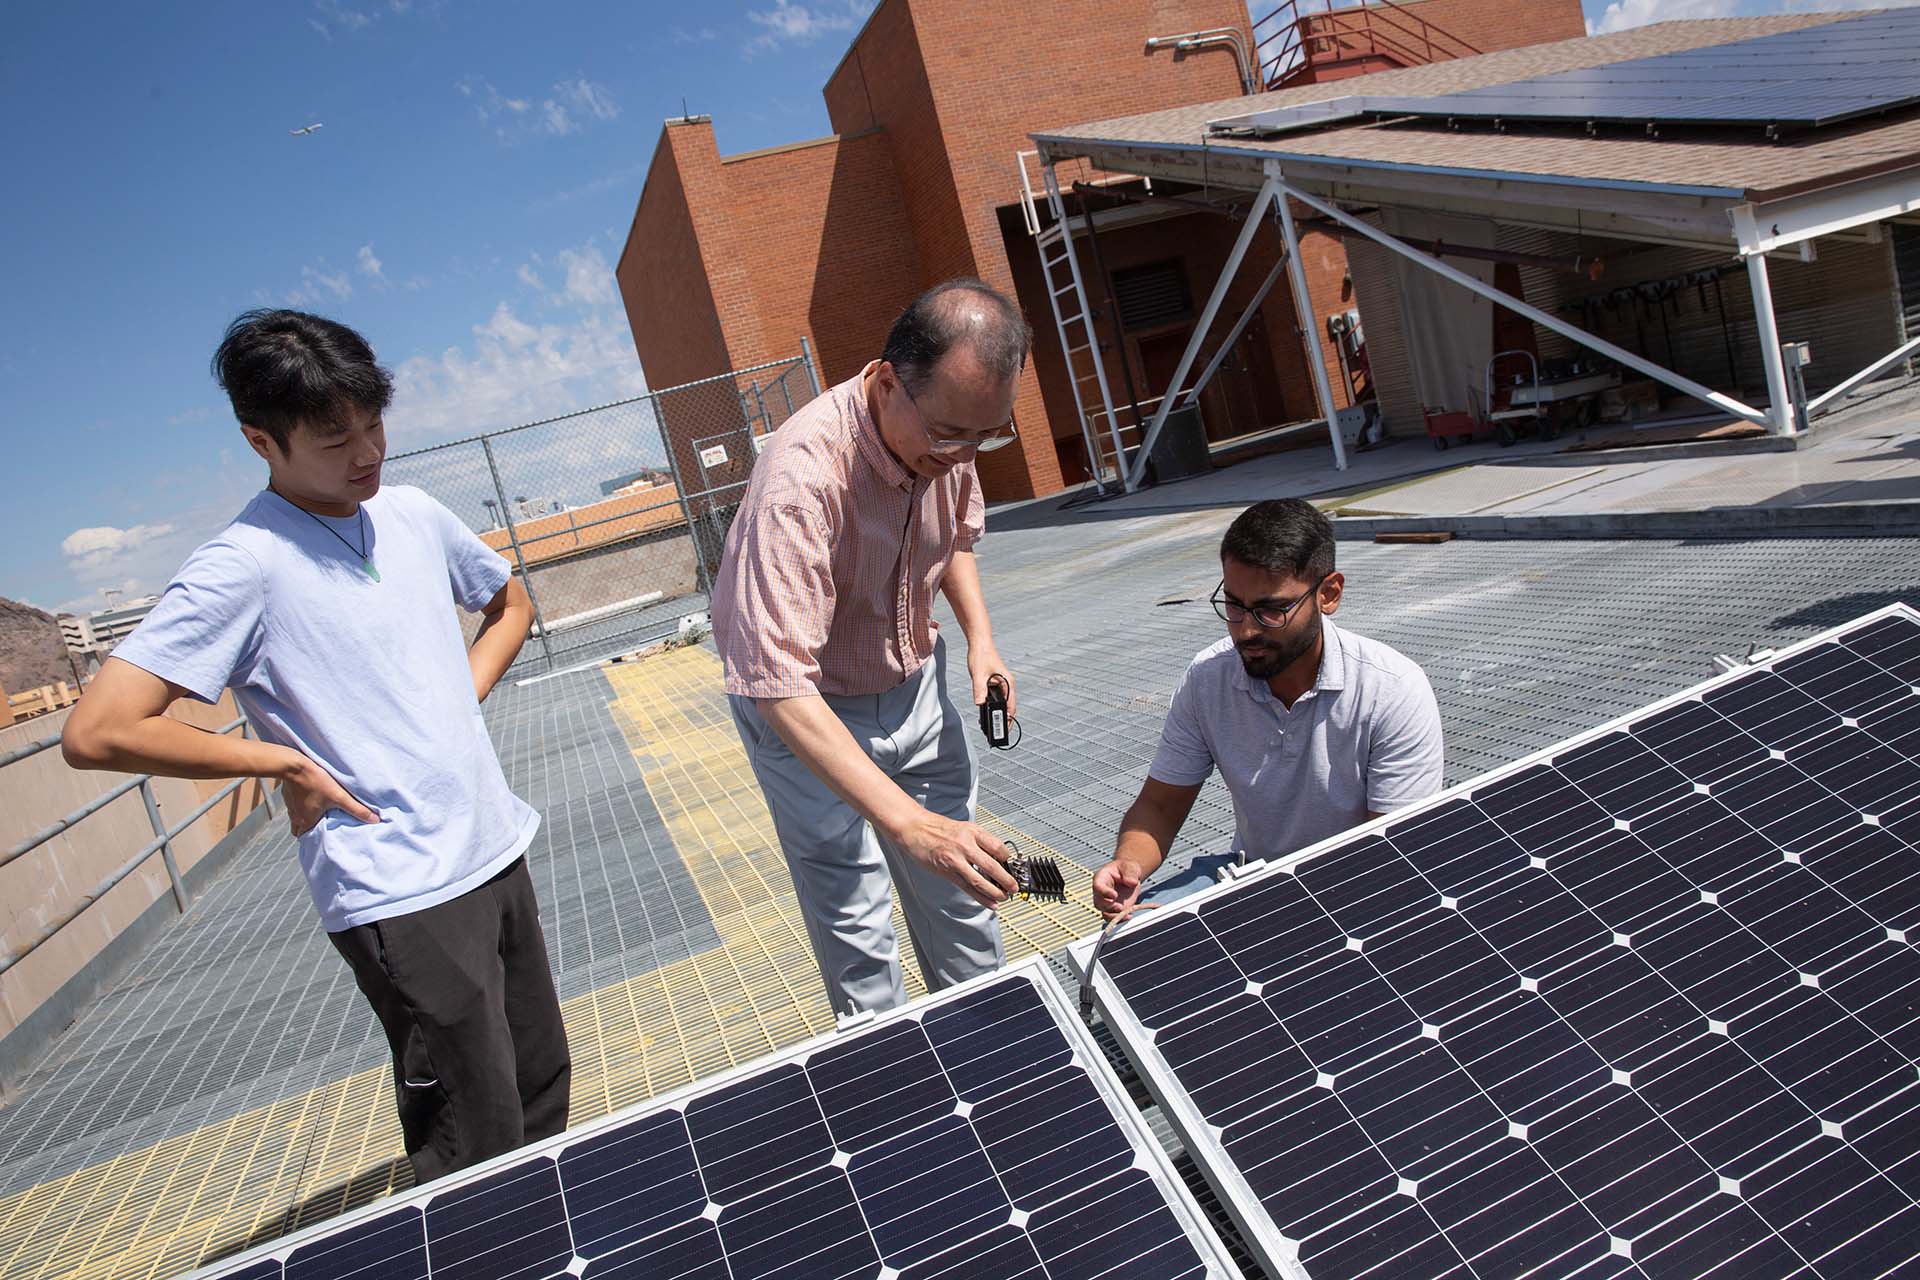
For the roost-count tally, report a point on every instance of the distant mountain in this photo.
(31, 650)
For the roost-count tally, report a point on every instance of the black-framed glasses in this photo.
(1267, 614)
(998, 438)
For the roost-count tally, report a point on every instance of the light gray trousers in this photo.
(845, 875)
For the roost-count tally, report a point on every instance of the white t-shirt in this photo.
(1365, 738)
(369, 678)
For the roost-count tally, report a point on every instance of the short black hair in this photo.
(1282, 535)
(284, 369)
(935, 322)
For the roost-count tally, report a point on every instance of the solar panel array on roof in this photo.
(976, 1135)
(1815, 76)
(1647, 1005)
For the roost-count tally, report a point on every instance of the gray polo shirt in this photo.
(1365, 737)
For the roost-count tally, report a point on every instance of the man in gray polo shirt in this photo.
(1314, 729)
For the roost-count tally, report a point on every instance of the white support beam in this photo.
(1309, 331)
(1233, 336)
(1600, 346)
(1779, 421)
(1762, 228)
(1269, 191)
(1867, 374)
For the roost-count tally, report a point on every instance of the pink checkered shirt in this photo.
(834, 557)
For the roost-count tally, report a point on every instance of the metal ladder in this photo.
(1073, 320)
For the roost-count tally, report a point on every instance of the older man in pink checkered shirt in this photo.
(863, 505)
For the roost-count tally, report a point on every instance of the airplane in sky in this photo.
(302, 132)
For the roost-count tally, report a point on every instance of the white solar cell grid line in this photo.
(1646, 1003)
(978, 1134)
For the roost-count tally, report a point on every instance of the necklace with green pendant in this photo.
(366, 562)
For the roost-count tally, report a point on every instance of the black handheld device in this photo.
(1002, 730)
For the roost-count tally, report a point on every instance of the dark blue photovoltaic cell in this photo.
(267, 1270)
(967, 1141)
(510, 1225)
(392, 1246)
(1814, 76)
(1649, 1008)
(626, 1184)
(687, 1250)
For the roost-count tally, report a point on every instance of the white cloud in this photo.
(528, 276)
(682, 35)
(509, 329)
(569, 105)
(95, 548)
(317, 284)
(589, 278)
(556, 119)
(514, 371)
(789, 23)
(589, 99)
(331, 16)
(370, 265)
(1622, 14)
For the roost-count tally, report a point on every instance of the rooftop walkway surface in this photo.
(233, 1086)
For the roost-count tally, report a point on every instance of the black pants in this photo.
(464, 992)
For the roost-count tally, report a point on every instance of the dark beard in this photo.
(1266, 663)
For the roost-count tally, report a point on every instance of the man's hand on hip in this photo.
(310, 791)
(961, 852)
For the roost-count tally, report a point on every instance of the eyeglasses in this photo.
(998, 438)
(1271, 616)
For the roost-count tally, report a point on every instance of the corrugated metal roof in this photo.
(1724, 161)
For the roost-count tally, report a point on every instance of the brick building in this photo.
(732, 259)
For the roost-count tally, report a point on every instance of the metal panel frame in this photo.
(1149, 1155)
(1202, 1139)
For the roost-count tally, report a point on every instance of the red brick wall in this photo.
(1488, 25)
(830, 248)
(664, 282)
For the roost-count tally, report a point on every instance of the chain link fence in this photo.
(615, 517)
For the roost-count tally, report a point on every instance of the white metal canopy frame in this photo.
(1598, 345)
(1073, 320)
(1795, 221)
(1750, 228)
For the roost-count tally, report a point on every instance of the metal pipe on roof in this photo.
(1190, 41)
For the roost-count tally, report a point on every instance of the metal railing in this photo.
(162, 842)
(1371, 27)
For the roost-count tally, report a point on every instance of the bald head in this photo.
(964, 315)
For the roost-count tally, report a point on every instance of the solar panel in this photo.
(974, 1135)
(1646, 1004)
(1815, 76)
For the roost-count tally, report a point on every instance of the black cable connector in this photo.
(1002, 730)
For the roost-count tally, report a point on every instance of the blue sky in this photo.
(462, 206)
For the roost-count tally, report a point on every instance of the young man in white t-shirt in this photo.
(1313, 728)
(328, 607)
